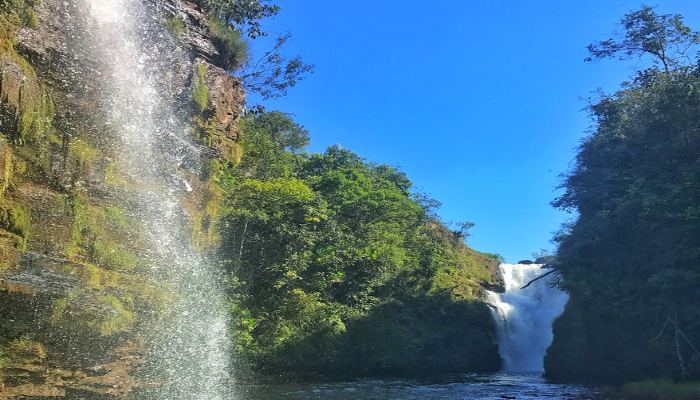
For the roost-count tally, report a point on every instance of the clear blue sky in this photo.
(477, 101)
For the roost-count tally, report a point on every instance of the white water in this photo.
(189, 350)
(524, 317)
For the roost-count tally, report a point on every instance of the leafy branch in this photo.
(273, 73)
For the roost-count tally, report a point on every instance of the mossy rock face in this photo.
(73, 252)
(51, 212)
(15, 224)
(105, 236)
(218, 100)
(26, 111)
(8, 251)
(19, 13)
(202, 204)
(7, 167)
(95, 314)
(31, 371)
(78, 303)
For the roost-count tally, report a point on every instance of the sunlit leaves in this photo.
(664, 37)
(274, 73)
(313, 242)
(631, 258)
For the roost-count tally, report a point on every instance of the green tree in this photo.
(242, 16)
(20, 12)
(645, 32)
(316, 244)
(272, 145)
(630, 261)
(274, 73)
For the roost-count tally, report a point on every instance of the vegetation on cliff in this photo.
(630, 262)
(331, 263)
(335, 265)
(269, 75)
(74, 255)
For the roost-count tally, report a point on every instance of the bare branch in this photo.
(662, 329)
(540, 277)
(684, 337)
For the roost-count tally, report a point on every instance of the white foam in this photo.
(524, 316)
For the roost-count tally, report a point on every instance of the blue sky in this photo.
(479, 102)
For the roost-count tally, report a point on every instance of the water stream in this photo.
(524, 317)
(189, 348)
(505, 385)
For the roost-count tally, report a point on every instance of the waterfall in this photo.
(524, 316)
(189, 350)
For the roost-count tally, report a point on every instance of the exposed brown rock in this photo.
(226, 96)
(62, 286)
(29, 362)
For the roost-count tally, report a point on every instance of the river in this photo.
(504, 385)
(524, 318)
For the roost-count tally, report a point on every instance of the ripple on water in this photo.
(521, 386)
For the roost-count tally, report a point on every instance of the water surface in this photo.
(505, 385)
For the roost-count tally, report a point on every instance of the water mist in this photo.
(524, 316)
(188, 347)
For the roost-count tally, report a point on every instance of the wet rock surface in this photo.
(73, 255)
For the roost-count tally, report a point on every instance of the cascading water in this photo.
(189, 350)
(524, 316)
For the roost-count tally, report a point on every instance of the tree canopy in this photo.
(631, 260)
(644, 32)
(318, 247)
(242, 16)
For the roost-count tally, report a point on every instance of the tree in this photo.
(282, 130)
(271, 145)
(274, 73)
(664, 37)
(463, 231)
(630, 260)
(241, 15)
(327, 255)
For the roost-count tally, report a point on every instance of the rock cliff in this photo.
(74, 288)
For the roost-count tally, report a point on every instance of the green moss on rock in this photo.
(118, 321)
(16, 222)
(83, 153)
(6, 168)
(26, 109)
(91, 241)
(114, 177)
(60, 305)
(200, 94)
(175, 26)
(115, 215)
(79, 225)
(106, 252)
(21, 351)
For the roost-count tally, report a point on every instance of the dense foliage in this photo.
(631, 261)
(334, 264)
(242, 16)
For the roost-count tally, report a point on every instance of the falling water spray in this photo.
(524, 317)
(189, 350)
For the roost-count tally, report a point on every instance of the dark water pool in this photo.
(522, 386)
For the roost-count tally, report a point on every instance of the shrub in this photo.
(662, 389)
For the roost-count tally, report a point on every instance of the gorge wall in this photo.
(74, 254)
